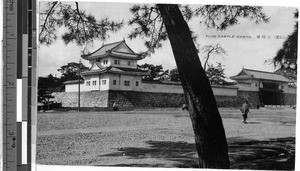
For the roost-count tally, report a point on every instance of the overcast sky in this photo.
(244, 50)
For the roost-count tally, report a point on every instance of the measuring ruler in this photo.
(19, 85)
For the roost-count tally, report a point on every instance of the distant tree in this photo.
(216, 74)
(46, 85)
(289, 73)
(70, 71)
(49, 83)
(212, 50)
(286, 57)
(159, 22)
(156, 72)
(45, 96)
(174, 75)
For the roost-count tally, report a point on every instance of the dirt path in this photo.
(160, 138)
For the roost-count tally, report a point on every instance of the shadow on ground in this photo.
(274, 154)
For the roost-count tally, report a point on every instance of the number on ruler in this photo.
(10, 83)
(11, 133)
(11, 5)
(14, 142)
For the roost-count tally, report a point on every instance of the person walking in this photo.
(115, 106)
(245, 110)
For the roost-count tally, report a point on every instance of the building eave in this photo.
(259, 79)
(121, 55)
(72, 82)
(94, 72)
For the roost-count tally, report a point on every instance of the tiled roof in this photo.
(110, 49)
(119, 70)
(262, 75)
(102, 50)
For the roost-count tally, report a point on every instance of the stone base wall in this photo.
(227, 101)
(87, 99)
(122, 98)
(289, 99)
(145, 99)
(252, 96)
(131, 99)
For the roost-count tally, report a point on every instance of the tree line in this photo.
(69, 72)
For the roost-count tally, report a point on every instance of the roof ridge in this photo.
(125, 53)
(114, 48)
(118, 42)
(261, 71)
(103, 45)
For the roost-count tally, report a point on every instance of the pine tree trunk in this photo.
(207, 124)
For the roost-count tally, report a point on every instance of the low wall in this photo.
(227, 101)
(289, 99)
(145, 99)
(156, 87)
(226, 96)
(122, 98)
(131, 99)
(252, 96)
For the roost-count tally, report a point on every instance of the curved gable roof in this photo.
(262, 75)
(120, 48)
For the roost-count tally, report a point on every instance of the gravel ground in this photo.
(161, 138)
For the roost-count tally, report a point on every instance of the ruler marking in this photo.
(9, 52)
(24, 97)
(25, 17)
(30, 4)
(19, 143)
(32, 91)
(19, 99)
(24, 142)
(25, 57)
(19, 19)
(20, 39)
(29, 78)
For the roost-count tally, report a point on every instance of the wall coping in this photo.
(179, 84)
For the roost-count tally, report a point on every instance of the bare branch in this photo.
(212, 49)
(47, 16)
(81, 27)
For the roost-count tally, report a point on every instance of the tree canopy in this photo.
(174, 75)
(286, 57)
(156, 72)
(81, 27)
(148, 24)
(48, 82)
(216, 74)
(70, 71)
